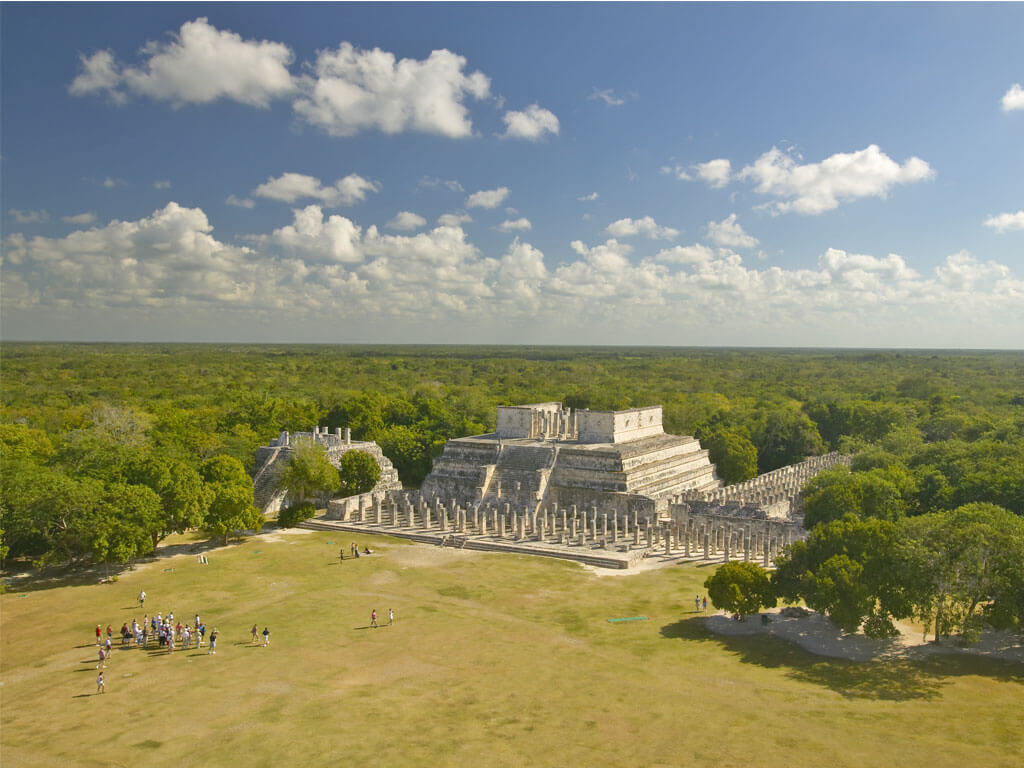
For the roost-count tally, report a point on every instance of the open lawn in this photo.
(493, 660)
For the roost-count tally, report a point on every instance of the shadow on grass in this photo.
(886, 680)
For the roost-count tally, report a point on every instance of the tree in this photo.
(125, 522)
(785, 437)
(359, 473)
(964, 560)
(732, 453)
(741, 588)
(231, 505)
(849, 569)
(184, 499)
(309, 473)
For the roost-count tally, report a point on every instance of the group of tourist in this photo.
(163, 629)
(700, 605)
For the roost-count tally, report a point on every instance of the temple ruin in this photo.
(607, 488)
(272, 459)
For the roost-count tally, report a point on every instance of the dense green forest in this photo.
(109, 448)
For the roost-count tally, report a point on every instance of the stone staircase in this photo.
(521, 473)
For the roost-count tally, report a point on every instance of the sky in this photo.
(710, 174)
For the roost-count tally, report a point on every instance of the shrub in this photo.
(291, 516)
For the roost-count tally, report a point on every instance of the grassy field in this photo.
(493, 660)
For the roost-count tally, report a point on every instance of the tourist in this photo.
(355, 550)
(367, 551)
(99, 634)
(213, 641)
(142, 598)
(124, 633)
(391, 617)
(373, 618)
(341, 555)
(103, 658)
(266, 637)
(202, 633)
(696, 604)
(170, 642)
(255, 634)
(704, 604)
(197, 622)
(99, 683)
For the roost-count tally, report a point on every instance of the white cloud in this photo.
(240, 202)
(80, 218)
(588, 198)
(406, 220)
(530, 124)
(109, 183)
(607, 96)
(1013, 98)
(729, 233)
(817, 187)
(319, 270)
(99, 75)
(352, 90)
(454, 219)
(435, 181)
(200, 64)
(290, 187)
(487, 198)
(28, 217)
(715, 172)
(517, 225)
(645, 226)
(161, 185)
(1006, 222)
(335, 239)
(679, 171)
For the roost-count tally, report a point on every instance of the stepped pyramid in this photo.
(544, 454)
(272, 459)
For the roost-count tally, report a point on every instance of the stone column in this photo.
(501, 526)
(636, 535)
(650, 538)
(604, 525)
(668, 541)
(426, 518)
(573, 532)
(707, 553)
(483, 525)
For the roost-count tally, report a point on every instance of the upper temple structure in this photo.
(545, 454)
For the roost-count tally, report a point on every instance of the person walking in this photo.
(391, 617)
(266, 637)
(213, 642)
(341, 555)
(255, 634)
(142, 598)
(99, 634)
(696, 604)
(103, 658)
(373, 618)
(100, 687)
(704, 604)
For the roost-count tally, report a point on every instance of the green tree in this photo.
(125, 522)
(849, 569)
(741, 588)
(309, 473)
(965, 563)
(785, 437)
(359, 473)
(732, 453)
(184, 499)
(231, 506)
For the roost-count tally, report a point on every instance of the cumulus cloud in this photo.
(161, 185)
(406, 220)
(729, 233)
(290, 187)
(530, 124)
(715, 172)
(80, 218)
(240, 202)
(487, 198)
(645, 226)
(1013, 98)
(588, 198)
(1006, 222)
(454, 219)
(28, 217)
(516, 225)
(813, 188)
(321, 269)
(352, 90)
(199, 64)
(607, 96)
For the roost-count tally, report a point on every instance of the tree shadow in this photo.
(885, 680)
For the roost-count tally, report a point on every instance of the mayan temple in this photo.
(544, 454)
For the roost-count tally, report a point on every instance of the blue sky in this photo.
(663, 174)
